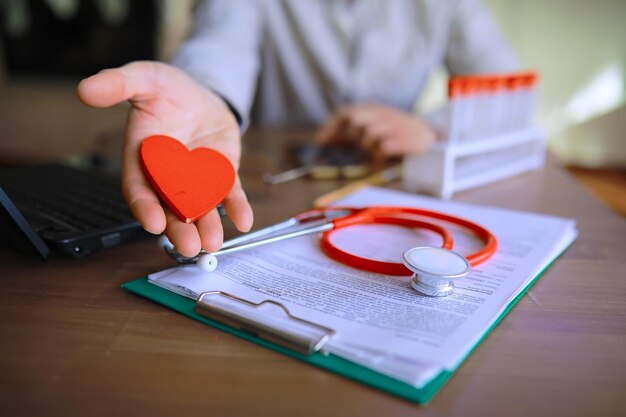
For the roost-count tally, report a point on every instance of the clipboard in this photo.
(330, 362)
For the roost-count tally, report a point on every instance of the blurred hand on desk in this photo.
(165, 100)
(384, 131)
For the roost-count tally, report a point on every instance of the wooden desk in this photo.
(73, 342)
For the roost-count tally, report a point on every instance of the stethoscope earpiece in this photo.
(207, 262)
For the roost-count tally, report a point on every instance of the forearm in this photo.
(222, 53)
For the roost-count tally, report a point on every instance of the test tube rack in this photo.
(485, 133)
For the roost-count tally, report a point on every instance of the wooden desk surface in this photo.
(72, 342)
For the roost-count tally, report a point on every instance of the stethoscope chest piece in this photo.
(435, 269)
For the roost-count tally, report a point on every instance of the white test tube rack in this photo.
(485, 134)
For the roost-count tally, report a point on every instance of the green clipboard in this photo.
(330, 362)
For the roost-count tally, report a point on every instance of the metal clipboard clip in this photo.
(268, 320)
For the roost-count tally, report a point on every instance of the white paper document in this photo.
(380, 322)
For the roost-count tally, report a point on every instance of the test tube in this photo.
(515, 85)
(481, 107)
(468, 89)
(455, 109)
(528, 97)
(499, 97)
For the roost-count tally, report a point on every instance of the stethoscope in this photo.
(433, 270)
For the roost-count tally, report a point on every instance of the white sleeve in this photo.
(475, 43)
(223, 52)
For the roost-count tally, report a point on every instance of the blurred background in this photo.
(47, 46)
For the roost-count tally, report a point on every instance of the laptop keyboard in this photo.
(58, 198)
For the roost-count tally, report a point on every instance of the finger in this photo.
(211, 232)
(357, 120)
(239, 209)
(138, 192)
(399, 146)
(354, 131)
(373, 134)
(408, 144)
(184, 236)
(142, 200)
(134, 81)
(332, 129)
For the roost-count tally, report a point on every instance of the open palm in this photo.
(166, 101)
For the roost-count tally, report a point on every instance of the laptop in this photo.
(56, 208)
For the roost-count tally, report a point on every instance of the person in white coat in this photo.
(353, 68)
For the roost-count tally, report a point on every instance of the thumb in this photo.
(134, 81)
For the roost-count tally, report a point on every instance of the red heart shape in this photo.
(192, 183)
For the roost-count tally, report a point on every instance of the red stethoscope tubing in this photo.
(398, 216)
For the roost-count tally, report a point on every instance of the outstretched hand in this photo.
(384, 131)
(166, 101)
